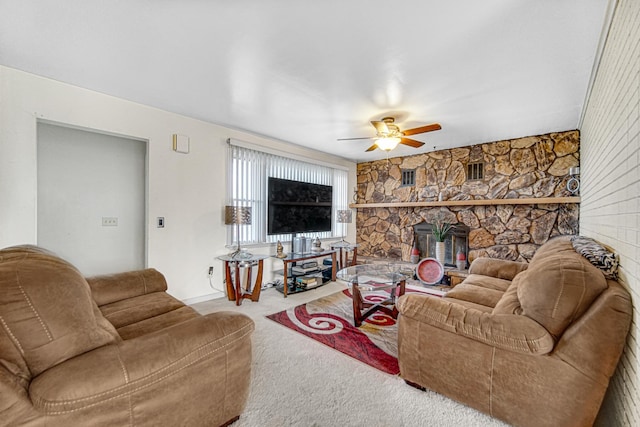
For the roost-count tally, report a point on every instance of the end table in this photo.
(343, 258)
(455, 276)
(243, 266)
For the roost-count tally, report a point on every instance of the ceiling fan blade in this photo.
(373, 147)
(351, 139)
(422, 129)
(381, 127)
(411, 142)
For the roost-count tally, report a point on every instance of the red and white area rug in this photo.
(329, 320)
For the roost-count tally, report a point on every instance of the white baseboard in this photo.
(215, 295)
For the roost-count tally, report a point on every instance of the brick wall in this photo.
(610, 173)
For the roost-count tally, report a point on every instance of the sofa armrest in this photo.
(139, 367)
(499, 268)
(505, 331)
(109, 288)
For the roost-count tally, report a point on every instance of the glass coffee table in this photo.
(373, 277)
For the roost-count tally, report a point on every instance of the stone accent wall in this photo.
(531, 167)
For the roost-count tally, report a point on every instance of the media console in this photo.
(289, 282)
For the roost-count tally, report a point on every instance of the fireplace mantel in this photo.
(476, 202)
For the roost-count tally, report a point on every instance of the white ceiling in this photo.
(309, 72)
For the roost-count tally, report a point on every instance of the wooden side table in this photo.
(343, 249)
(456, 276)
(234, 268)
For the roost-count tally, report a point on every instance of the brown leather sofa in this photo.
(114, 351)
(531, 344)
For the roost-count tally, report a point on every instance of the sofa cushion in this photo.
(469, 304)
(498, 268)
(509, 303)
(108, 288)
(144, 314)
(133, 310)
(157, 323)
(557, 289)
(47, 309)
(487, 282)
(475, 294)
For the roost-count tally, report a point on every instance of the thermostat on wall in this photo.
(180, 143)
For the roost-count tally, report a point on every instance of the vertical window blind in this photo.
(247, 183)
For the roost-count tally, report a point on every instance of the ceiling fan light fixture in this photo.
(387, 143)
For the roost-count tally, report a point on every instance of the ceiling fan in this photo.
(388, 135)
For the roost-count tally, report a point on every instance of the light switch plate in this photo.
(109, 221)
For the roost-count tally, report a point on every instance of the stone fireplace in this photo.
(533, 170)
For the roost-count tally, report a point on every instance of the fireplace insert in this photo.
(456, 240)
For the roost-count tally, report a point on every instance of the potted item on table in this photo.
(440, 229)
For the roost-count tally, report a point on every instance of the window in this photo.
(247, 186)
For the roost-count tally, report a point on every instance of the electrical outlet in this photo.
(109, 221)
(210, 271)
(160, 222)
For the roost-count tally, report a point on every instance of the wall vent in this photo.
(408, 177)
(475, 171)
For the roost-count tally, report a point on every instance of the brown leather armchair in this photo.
(533, 345)
(63, 363)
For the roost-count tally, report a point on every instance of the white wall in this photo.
(610, 188)
(187, 189)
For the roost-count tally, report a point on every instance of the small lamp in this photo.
(239, 215)
(345, 217)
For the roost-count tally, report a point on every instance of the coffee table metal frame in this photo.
(373, 277)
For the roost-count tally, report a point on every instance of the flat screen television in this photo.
(298, 207)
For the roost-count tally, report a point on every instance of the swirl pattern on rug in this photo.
(329, 320)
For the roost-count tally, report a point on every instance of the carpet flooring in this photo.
(329, 320)
(297, 381)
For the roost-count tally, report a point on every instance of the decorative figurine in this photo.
(461, 260)
(280, 251)
(415, 254)
(316, 245)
